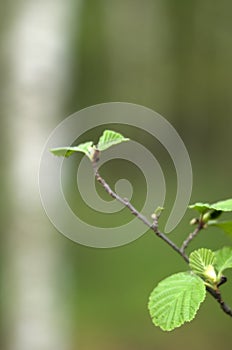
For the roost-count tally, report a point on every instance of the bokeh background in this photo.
(58, 57)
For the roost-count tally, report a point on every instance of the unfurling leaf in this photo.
(201, 262)
(86, 148)
(110, 138)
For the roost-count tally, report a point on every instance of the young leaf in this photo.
(176, 300)
(86, 148)
(224, 225)
(223, 259)
(201, 207)
(225, 205)
(110, 138)
(201, 262)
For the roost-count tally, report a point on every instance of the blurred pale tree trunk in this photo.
(36, 65)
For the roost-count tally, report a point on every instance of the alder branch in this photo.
(216, 294)
(154, 226)
(192, 235)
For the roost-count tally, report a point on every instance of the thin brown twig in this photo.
(193, 234)
(134, 211)
(154, 226)
(216, 294)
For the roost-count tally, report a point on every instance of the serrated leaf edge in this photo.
(181, 322)
(106, 138)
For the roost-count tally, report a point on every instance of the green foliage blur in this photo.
(173, 57)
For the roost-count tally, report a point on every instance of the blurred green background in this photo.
(58, 57)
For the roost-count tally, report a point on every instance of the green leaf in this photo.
(224, 225)
(201, 207)
(176, 300)
(86, 148)
(110, 138)
(201, 262)
(225, 205)
(223, 259)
